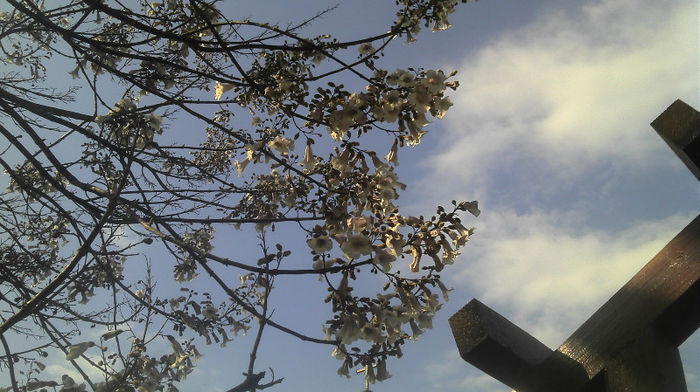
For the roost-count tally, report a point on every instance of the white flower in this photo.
(415, 264)
(366, 48)
(382, 374)
(356, 246)
(317, 58)
(174, 303)
(240, 165)
(393, 155)
(425, 320)
(338, 353)
(320, 244)
(220, 89)
(76, 350)
(448, 254)
(309, 162)
(110, 334)
(435, 81)
(322, 263)
(414, 329)
(440, 106)
(281, 144)
(384, 259)
(415, 133)
(350, 331)
(344, 369)
(358, 223)
(471, 206)
(372, 334)
(445, 290)
(420, 98)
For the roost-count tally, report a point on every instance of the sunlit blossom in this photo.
(393, 155)
(415, 264)
(221, 88)
(281, 144)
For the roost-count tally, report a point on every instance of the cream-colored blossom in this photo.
(415, 330)
(350, 331)
(435, 81)
(221, 88)
(384, 259)
(420, 97)
(415, 264)
(382, 374)
(240, 165)
(393, 155)
(281, 144)
(415, 133)
(309, 162)
(439, 106)
(445, 290)
(320, 244)
(76, 350)
(110, 334)
(366, 48)
(344, 369)
(358, 223)
(448, 254)
(356, 246)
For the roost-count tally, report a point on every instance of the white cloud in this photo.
(571, 90)
(547, 274)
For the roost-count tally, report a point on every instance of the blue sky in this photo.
(550, 133)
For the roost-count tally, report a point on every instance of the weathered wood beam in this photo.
(500, 348)
(679, 126)
(655, 299)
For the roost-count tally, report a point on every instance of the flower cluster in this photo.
(128, 127)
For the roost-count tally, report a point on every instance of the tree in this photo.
(101, 172)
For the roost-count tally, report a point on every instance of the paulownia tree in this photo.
(176, 120)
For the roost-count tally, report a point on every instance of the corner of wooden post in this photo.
(498, 347)
(679, 127)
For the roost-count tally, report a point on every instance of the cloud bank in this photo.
(569, 92)
(540, 111)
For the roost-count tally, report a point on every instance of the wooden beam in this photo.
(679, 126)
(493, 344)
(500, 348)
(655, 298)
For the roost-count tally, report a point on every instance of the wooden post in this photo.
(679, 126)
(631, 343)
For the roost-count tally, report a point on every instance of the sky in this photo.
(550, 132)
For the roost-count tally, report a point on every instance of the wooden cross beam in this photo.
(631, 342)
